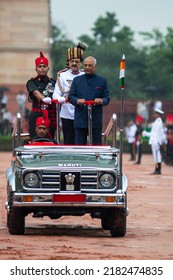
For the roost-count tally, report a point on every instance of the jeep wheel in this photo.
(105, 223)
(16, 221)
(118, 223)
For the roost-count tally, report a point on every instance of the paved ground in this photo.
(149, 224)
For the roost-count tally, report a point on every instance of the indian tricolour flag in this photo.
(122, 71)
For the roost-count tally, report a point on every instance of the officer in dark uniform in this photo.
(40, 91)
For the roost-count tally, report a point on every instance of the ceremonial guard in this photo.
(130, 132)
(138, 138)
(40, 91)
(62, 88)
(156, 139)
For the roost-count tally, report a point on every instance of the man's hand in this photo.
(47, 100)
(81, 101)
(145, 133)
(98, 101)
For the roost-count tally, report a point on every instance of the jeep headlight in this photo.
(107, 180)
(31, 179)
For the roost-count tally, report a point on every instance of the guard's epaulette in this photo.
(52, 80)
(61, 71)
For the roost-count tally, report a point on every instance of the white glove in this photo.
(47, 100)
(145, 133)
(61, 99)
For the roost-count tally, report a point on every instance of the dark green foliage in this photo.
(149, 68)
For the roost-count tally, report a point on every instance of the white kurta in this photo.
(66, 78)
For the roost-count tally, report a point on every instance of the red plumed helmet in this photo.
(43, 121)
(41, 60)
(169, 119)
(139, 119)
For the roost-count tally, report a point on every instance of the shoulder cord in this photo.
(58, 78)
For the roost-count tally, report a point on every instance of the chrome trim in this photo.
(47, 200)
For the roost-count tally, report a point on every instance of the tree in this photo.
(104, 28)
(59, 49)
(159, 70)
(149, 68)
(125, 34)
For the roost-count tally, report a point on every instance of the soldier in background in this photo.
(143, 110)
(3, 101)
(130, 132)
(3, 105)
(156, 139)
(6, 124)
(138, 138)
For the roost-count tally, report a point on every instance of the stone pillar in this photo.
(25, 30)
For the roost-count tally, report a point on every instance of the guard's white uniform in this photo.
(156, 138)
(60, 93)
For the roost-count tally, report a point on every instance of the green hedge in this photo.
(5, 143)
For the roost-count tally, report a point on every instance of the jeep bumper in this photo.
(68, 199)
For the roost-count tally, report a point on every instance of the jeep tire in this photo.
(118, 223)
(105, 223)
(16, 221)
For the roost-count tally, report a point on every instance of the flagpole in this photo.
(122, 76)
(121, 137)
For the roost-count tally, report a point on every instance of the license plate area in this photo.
(70, 198)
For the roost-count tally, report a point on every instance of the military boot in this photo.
(157, 170)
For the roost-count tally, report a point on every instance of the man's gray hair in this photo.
(94, 59)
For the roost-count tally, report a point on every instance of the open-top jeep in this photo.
(53, 180)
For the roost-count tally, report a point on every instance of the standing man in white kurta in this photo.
(62, 88)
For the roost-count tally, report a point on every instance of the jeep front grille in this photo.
(52, 180)
(55, 180)
(89, 180)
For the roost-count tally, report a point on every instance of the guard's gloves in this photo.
(145, 133)
(47, 100)
(61, 99)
